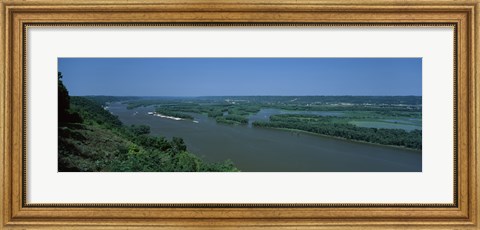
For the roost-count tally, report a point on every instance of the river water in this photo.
(269, 150)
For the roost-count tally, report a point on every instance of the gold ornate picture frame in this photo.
(17, 16)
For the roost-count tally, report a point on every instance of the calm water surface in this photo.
(269, 150)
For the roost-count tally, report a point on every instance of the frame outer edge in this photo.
(4, 97)
(4, 145)
(476, 113)
(2, 113)
(242, 2)
(473, 113)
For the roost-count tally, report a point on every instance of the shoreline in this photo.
(345, 139)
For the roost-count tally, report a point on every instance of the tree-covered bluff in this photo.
(90, 139)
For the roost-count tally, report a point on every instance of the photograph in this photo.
(240, 114)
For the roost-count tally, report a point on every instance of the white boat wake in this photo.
(164, 116)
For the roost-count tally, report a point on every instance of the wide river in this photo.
(270, 150)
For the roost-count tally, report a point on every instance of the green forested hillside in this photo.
(90, 139)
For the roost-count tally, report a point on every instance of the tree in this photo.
(63, 100)
(179, 144)
(140, 129)
(64, 114)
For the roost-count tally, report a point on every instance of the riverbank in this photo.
(344, 139)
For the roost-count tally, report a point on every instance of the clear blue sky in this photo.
(241, 76)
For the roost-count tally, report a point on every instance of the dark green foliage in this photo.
(152, 143)
(64, 113)
(92, 112)
(63, 100)
(237, 118)
(188, 162)
(226, 166)
(88, 148)
(232, 120)
(140, 129)
(215, 113)
(326, 126)
(243, 110)
(178, 144)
